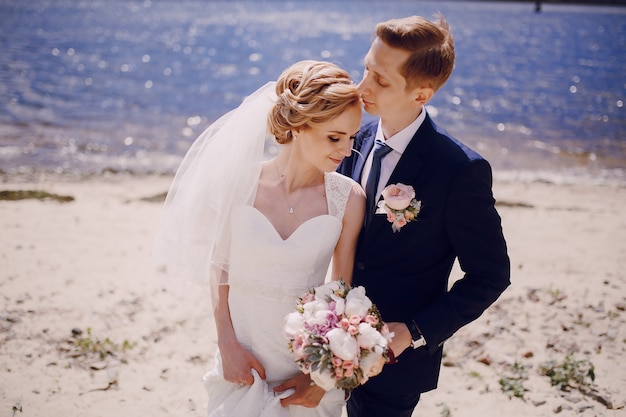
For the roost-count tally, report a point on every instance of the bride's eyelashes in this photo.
(334, 139)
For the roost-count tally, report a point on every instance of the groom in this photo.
(405, 272)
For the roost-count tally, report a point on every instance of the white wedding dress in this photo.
(266, 276)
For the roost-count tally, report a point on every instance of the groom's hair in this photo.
(431, 48)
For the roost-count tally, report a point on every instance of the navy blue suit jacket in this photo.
(406, 273)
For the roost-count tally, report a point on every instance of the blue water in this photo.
(93, 86)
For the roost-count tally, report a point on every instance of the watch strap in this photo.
(417, 338)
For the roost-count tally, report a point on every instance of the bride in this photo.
(264, 231)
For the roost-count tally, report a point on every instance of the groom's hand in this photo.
(401, 338)
(305, 394)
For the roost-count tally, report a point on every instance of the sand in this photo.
(88, 328)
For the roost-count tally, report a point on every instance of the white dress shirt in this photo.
(398, 143)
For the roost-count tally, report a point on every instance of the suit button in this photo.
(360, 266)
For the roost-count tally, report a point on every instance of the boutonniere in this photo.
(399, 204)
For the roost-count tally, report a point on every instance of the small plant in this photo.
(570, 373)
(16, 407)
(89, 346)
(445, 411)
(15, 195)
(513, 385)
(475, 374)
(556, 295)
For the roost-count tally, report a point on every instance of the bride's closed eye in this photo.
(334, 139)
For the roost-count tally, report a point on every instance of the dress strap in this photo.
(338, 189)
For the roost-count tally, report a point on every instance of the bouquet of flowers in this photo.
(337, 336)
(399, 204)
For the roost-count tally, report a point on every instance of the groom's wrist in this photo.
(417, 338)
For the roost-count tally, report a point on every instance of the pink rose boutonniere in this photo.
(399, 204)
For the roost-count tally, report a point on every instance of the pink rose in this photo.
(299, 344)
(370, 319)
(398, 196)
(344, 324)
(400, 223)
(308, 297)
(348, 368)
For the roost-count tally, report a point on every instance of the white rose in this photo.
(357, 302)
(340, 304)
(320, 318)
(342, 344)
(313, 307)
(324, 291)
(294, 322)
(323, 378)
(369, 337)
(372, 364)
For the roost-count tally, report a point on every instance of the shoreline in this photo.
(563, 169)
(84, 264)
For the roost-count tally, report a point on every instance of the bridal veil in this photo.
(220, 171)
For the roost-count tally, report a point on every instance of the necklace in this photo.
(292, 208)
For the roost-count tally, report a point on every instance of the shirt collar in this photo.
(400, 140)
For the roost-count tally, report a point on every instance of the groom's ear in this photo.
(423, 95)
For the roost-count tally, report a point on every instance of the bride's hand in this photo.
(306, 393)
(237, 363)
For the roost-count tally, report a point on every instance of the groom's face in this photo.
(383, 88)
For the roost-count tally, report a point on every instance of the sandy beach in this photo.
(87, 328)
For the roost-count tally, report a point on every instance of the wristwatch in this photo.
(417, 338)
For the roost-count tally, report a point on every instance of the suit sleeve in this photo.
(474, 229)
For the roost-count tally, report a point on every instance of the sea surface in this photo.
(93, 86)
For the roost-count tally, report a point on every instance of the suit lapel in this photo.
(364, 149)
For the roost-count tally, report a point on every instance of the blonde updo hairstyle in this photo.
(310, 93)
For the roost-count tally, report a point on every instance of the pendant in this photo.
(290, 210)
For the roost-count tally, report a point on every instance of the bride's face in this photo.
(326, 145)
